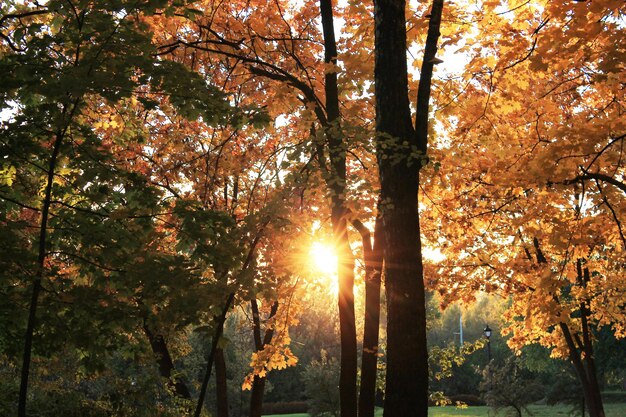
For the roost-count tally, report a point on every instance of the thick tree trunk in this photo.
(258, 383)
(593, 400)
(166, 365)
(587, 346)
(406, 391)
(593, 397)
(373, 259)
(337, 186)
(407, 368)
(256, 396)
(397, 144)
(581, 349)
(221, 385)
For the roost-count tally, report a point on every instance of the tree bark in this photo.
(258, 383)
(373, 259)
(221, 385)
(406, 391)
(166, 365)
(401, 151)
(337, 187)
(256, 396)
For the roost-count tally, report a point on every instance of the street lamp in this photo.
(487, 333)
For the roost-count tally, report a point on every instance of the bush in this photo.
(467, 399)
(509, 387)
(566, 389)
(321, 381)
(284, 407)
(614, 397)
(57, 392)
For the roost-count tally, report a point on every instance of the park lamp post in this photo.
(487, 333)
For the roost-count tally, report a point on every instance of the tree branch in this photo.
(426, 74)
(596, 176)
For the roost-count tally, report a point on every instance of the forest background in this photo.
(170, 171)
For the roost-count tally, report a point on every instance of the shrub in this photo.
(284, 407)
(321, 381)
(509, 387)
(467, 399)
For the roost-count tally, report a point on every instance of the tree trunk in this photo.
(337, 186)
(211, 358)
(587, 347)
(585, 370)
(166, 365)
(220, 323)
(221, 386)
(68, 115)
(398, 145)
(258, 383)
(347, 325)
(373, 259)
(593, 399)
(406, 391)
(256, 396)
(581, 351)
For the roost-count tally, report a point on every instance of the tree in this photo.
(284, 62)
(93, 200)
(62, 45)
(221, 384)
(401, 150)
(538, 146)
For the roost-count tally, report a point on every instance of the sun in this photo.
(323, 259)
(323, 267)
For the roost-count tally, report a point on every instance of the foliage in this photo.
(610, 354)
(106, 223)
(444, 359)
(460, 376)
(118, 252)
(125, 389)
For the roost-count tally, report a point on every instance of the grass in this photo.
(611, 410)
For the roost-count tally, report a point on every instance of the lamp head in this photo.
(487, 332)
